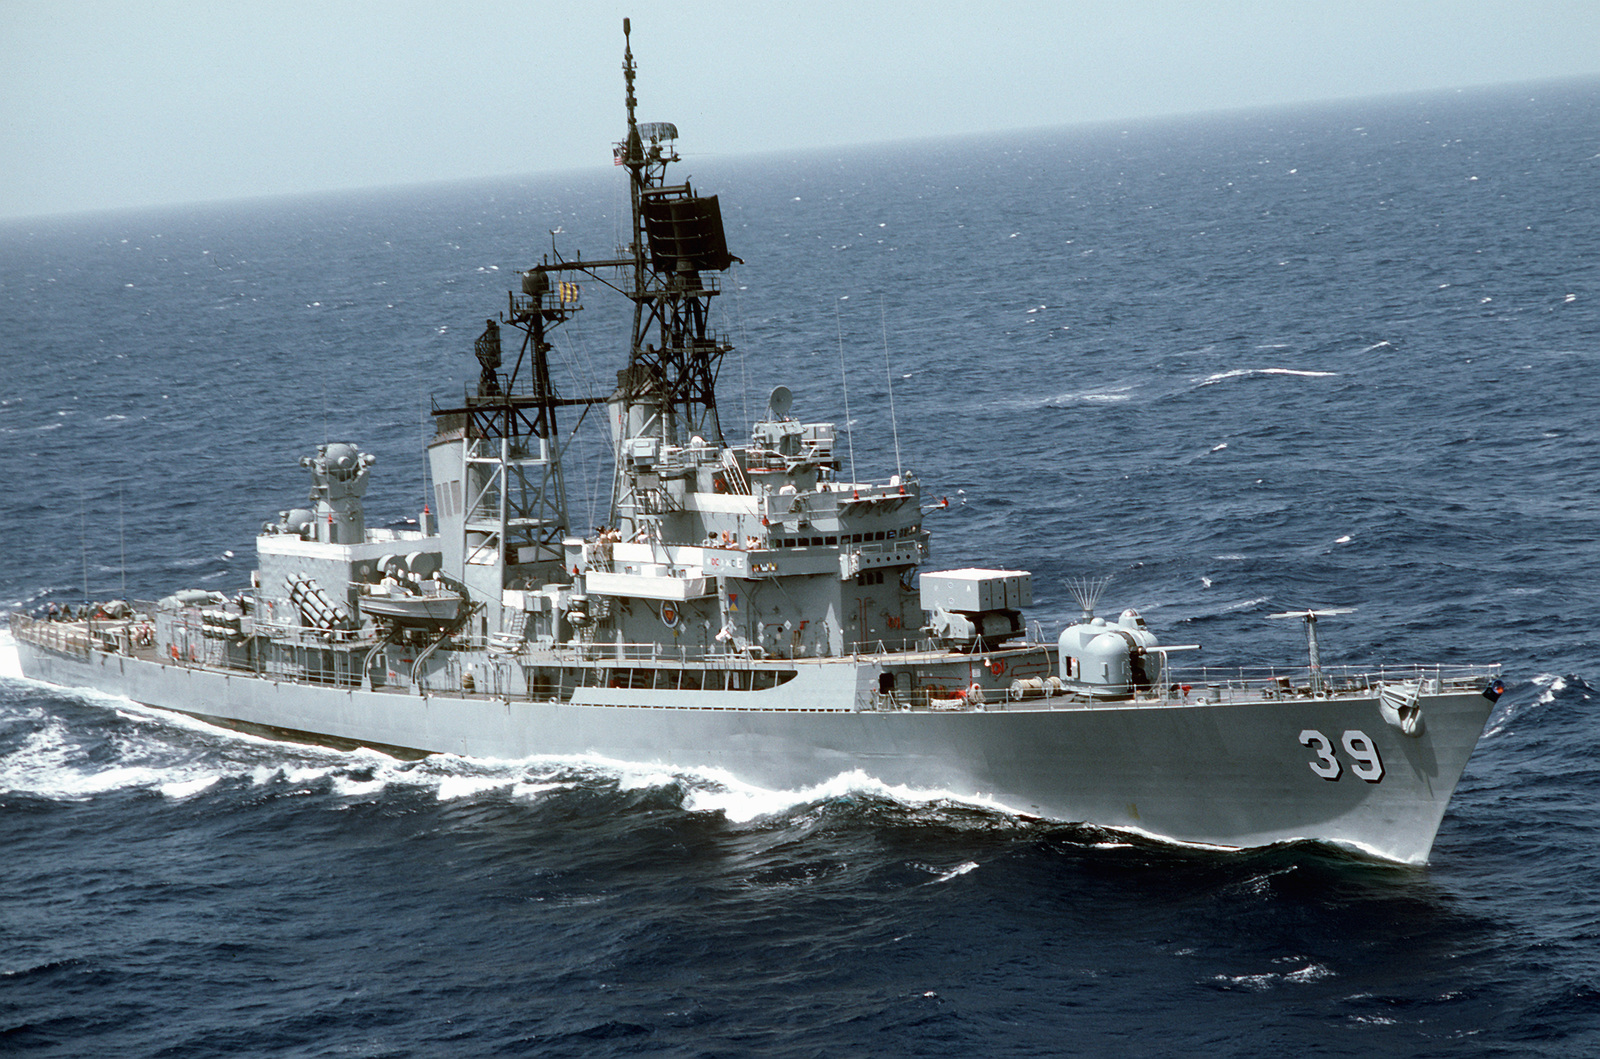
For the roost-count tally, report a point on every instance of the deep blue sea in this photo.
(1345, 356)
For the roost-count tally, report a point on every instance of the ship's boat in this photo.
(748, 606)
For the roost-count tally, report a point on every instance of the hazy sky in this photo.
(112, 104)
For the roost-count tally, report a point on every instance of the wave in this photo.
(153, 750)
(1252, 373)
(1113, 395)
(1551, 687)
(10, 661)
(1310, 972)
(717, 792)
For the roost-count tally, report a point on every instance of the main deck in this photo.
(1012, 678)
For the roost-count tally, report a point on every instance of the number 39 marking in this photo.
(1365, 762)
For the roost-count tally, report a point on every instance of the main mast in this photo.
(497, 456)
(668, 390)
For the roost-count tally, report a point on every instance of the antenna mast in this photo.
(668, 390)
(1318, 684)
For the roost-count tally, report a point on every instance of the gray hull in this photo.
(1232, 776)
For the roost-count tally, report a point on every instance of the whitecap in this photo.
(1240, 373)
(959, 869)
(51, 764)
(527, 789)
(1311, 972)
(1260, 982)
(179, 789)
(1553, 686)
(1111, 396)
(742, 802)
(632, 780)
(346, 787)
(10, 661)
(452, 788)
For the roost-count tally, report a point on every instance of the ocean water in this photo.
(1335, 357)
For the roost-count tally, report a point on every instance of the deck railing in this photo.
(305, 655)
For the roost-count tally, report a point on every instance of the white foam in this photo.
(294, 777)
(1112, 396)
(529, 790)
(741, 802)
(1553, 685)
(1240, 373)
(452, 788)
(635, 778)
(186, 788)
(50, 764)
(344, 787)
(10, 661)
(959, 869)
(1311, 972)
(1259, 982)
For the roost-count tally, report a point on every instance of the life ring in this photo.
(997, 667)
(719, 484)
(174, 649)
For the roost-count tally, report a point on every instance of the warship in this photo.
(748, 608)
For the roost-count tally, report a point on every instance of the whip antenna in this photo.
(844, 380)
(893, 422)
(1087, 590)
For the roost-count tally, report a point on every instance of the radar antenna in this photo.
(1310, 618)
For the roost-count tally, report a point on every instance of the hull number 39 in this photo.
(1358, 748)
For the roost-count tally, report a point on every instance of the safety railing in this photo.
(67, 638)
(1230, 684)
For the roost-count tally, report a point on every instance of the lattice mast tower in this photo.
(668, 389)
